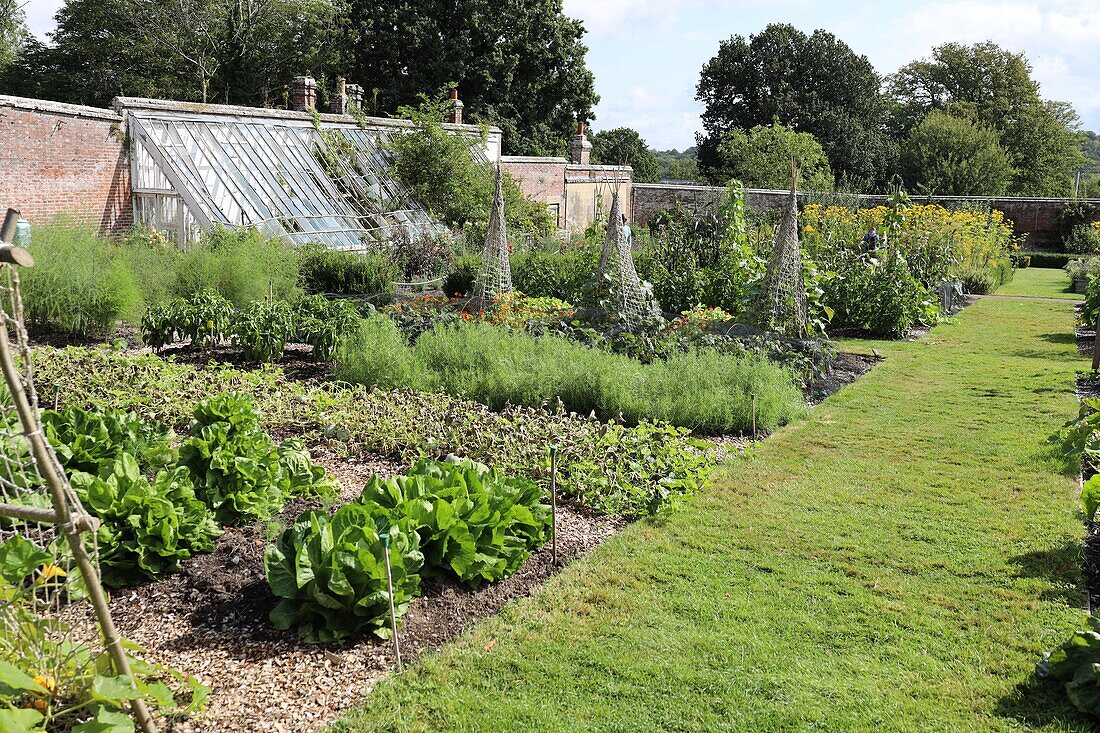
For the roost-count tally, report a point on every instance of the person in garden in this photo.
(626, 232)
(872, 240)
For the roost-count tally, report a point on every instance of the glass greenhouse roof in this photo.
(324, 180)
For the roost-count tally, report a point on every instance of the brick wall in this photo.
(541, 179)
(1036, 219)
(62, 161)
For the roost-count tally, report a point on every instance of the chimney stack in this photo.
(456, 108)
(355, 95)
(581, 150)
(303, 93)
(338, 102)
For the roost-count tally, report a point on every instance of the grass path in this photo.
(896, 561)
(1043, 282)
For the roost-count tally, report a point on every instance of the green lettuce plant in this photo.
(239, 472)
(473, 521)
(147, 527)
(330, 575)
(86, 440)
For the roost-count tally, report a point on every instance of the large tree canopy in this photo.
(762, 158)
(13, 31)
(194, 50)
(813, 84)
(517, 63)
(624, 146)
(994, 87)
(955, 156)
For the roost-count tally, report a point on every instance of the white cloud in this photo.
(40, 16)
(1059, 39)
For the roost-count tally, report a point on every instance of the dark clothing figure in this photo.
(871, 241)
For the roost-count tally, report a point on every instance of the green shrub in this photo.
(1083, 239)
(1083, 268)
(240, 265)
(460, 281)
(238, 471)
(80, 283)
(443, 175)
(1056, 260)
(330, 575)
(153, 260)
(324, 270)
(1091, 308)
(325, 324)
(472, 521)
(703, 390)
(876, 293)
(378, 355)
(557, 274)
(146, 527)
(262, 329)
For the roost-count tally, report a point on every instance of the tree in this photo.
(517, 63)
(679, 166)
(813, 84)
(13, 31)
(442, 174)
(231, 51)
(955, 156)
(993, 87)
(762, 158)
(624, 146)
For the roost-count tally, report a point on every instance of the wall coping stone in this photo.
(62, 108)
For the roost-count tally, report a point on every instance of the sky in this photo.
(646, 54)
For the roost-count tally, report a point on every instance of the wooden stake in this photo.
(1096, 346)
(554, 504)
(51, 471)
(385, 537)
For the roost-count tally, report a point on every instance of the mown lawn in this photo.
(1040, 282)
(896, 561)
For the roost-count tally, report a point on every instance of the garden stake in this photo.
(754, 417)
(1096, 346)
(385, 537)
(554, 503)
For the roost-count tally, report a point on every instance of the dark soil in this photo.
(847, 369)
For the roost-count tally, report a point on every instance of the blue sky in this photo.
(646, 54)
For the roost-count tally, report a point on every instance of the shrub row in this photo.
(703, 390)
(261, 328)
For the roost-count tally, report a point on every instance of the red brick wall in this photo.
(539, 179)
(64, 162)
(1035, 219)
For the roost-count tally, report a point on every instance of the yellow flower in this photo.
(48, 571)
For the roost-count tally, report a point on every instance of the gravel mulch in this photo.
(210, 620)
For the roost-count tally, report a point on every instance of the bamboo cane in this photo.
(55, 479)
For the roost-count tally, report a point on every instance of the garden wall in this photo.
(1035, 218)
(64, 161)
(575, 194)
